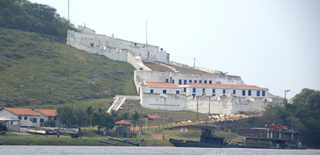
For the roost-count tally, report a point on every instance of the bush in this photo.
(50, 123)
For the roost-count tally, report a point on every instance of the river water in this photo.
(117, 150)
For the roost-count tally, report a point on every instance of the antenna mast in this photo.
(68, 14)
(146, 31)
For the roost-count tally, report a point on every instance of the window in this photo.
(151, 90)
(205, 82)
(185, 81)
(177, 92)
(173, 81)
(167, 80)
(49, 117)
(203, 92)
(200, 81)
(41, 120)
(55, 118)
(184, 89)
(194, 90)
(213, 92)
(223, 91)
(243, 92)
(164, 91)
(194, 95)
(25, 118)
(190, 81)
(249, 92)
(195, 81)
(210, 82)
(180, 82)
(263, 93)
(19, 117)
(258, 92)
(234, 92)
(34, 120)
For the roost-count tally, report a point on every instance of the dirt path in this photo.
(157, 136)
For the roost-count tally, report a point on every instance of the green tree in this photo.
(135, 119)
(50, 123)
(66, 115)
(102, 119)
(114, 113)
(81, 117)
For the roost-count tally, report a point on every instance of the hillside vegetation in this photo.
(33, 17)
(40, 69)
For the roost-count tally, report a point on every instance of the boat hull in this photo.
(180, 143)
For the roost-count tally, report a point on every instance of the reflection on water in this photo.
(79, 150)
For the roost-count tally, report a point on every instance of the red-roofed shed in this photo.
(151, 117)
(123, 122)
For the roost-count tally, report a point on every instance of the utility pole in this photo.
(197, 110)
(285, 94)
(209, 106)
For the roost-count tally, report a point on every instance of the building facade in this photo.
(175, 90)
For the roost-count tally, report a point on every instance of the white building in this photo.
(28, 118)
(48, 114)
(172, 89)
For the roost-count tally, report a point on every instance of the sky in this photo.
(273, 44)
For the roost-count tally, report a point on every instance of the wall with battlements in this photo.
(145, 51)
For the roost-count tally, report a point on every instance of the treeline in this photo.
(82, 117)
(33, 17)
(302, 115)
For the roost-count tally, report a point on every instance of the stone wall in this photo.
(145, 51)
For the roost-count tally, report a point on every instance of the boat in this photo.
(124, 140)
(207, 139)
(276, 137)
(103, 141)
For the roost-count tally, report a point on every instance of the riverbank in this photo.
(88, 140)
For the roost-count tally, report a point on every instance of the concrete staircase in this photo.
(117, 104)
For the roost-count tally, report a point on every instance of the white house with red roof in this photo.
(223, 98)
(28, 118)
(48, 114)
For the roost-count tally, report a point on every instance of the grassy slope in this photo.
(37, 69)
(164, 116)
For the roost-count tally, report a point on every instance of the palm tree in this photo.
(135, 119)
(89, 112)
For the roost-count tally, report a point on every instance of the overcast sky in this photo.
(269, 43)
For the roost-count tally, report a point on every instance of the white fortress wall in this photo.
(146, 51)
(218, 91)
(155, 76)
(225, 105)
(196, 67)
(169, 102)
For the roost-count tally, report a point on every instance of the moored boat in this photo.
(207, 139)
(276, 137)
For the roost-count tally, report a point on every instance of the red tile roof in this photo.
(23, 111)
(47, 112)
(152, 116)
(161, 84)
(123, 122)
(222, 85)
